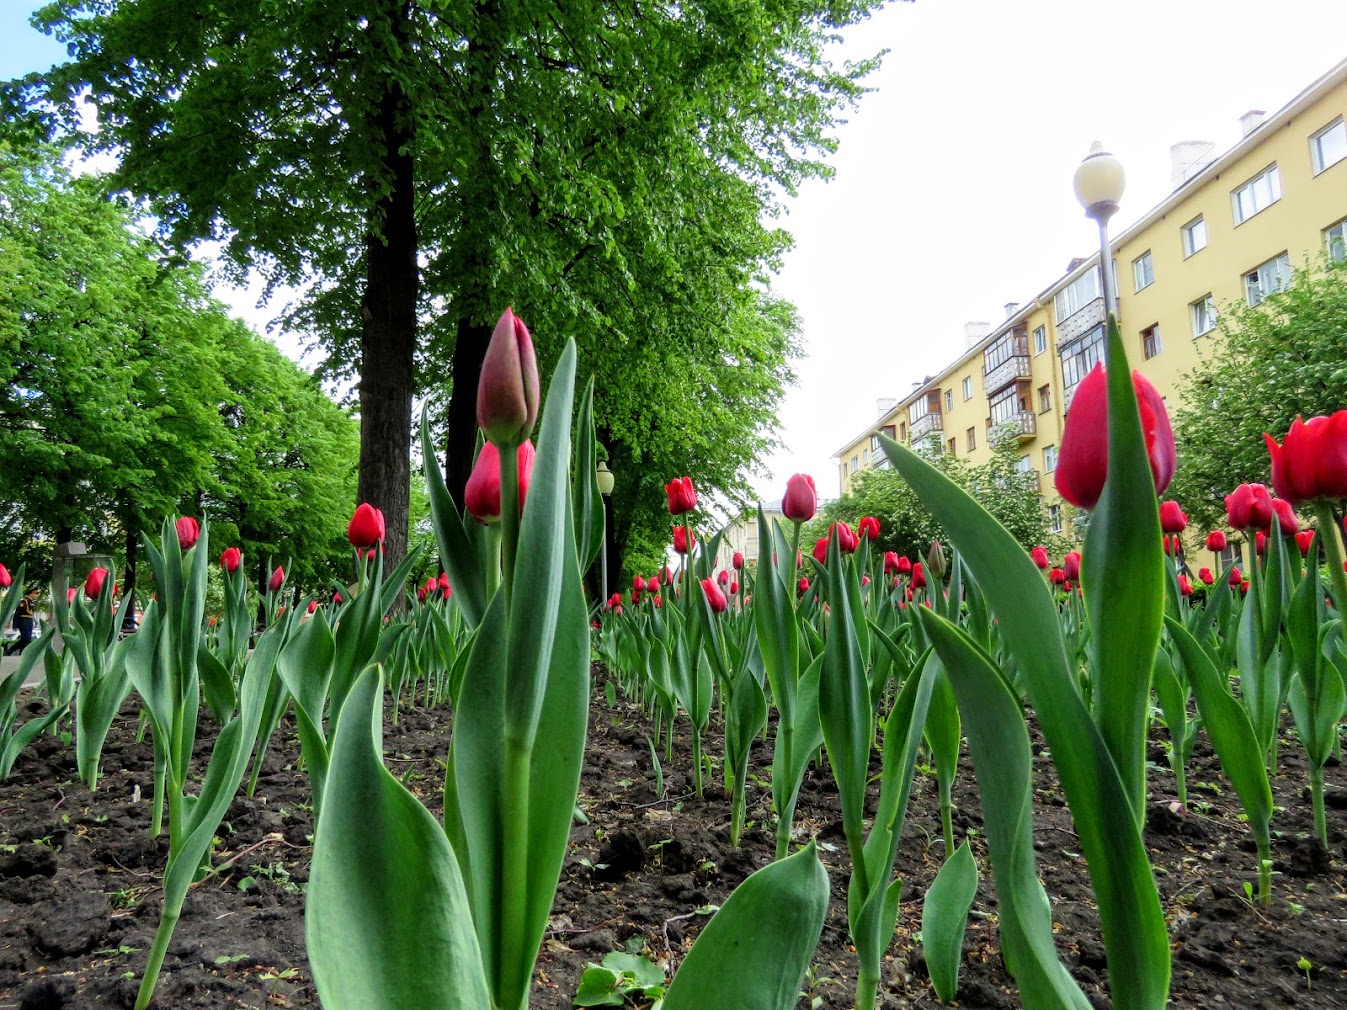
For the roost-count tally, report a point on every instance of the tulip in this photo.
(231, 559)
(1286, 516)
(5, 580)
(421, 594)
(277, 579)
(1311, 462)
(847, 541)
(904, 565)
(637, 583)
(821, 550)
(935, 559)
(481, 494)
(1039, 556)
(313, 605)
(1172, 519)
(865, 581)
(1066, 586)
(918, 576)
(336, 597)
(682, 496)
(734, 588)
(1057, 576)
(1260, 543)
(1082, 463)
(1235, 577)
(1071, 566)
(666, 575)
(804, 584)
(442, 583)
(1249, 506)
(1166, 545)
(737, 561)
(890, 562)
(801, 500)
(652, 584)
(1303, 540)
(1205, 576)
(683, 538)
(714, 596)
(659, 601)
(93, 585)
(507, 391)
(70, 594)
(868, 527)
(1185, 587)
(366, 528)
(188, 532)
(1216, 541)
(1244, 588)
(723, 576)
(614, 600)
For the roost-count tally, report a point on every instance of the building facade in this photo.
(1235, 227)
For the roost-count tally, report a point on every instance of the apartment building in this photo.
(1234, 227)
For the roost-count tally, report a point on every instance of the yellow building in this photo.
(740, 535)
(1235, 227)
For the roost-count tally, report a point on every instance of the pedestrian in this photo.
(23, 621)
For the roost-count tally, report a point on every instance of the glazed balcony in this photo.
(1020, 427)
(1080, 322)
(1013, 369)
(925, 426)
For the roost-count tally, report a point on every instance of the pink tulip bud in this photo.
(507, 393)
(277, 579)
(188, 532)
(231, 559)
(366, 528)
(481, 494)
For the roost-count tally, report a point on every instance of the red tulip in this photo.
(1172, 545)
(682, 496)
(277, 579)
(865, 581)
(734, 588)
(93, 585)
(507, 391)
(652, 584)
(723, 576)
(313, 605)
(868, 527)
(1235, 577)
(714, 596)
(614, 601)
(666, 575)
(366, 528)
(70, 594)
(188, 532)
(1249, 506)
(801, 500)
(336, 597)
(1039, 556)
(1172, 519)
(1260, 543)
(659, 601)
(421, 594)
(442, 583)
(1244, 587)
(1082, 464)
(1303, 540)
(637, 583)
(1216, 541)
(804, 584)
(5, 580)
(1057, 576)
(918, 576)
(821, 550)
(737, 561)
(890, 562)
(1071, 566)
(1185, 587)
(481, 494)
(847, 541)
(682, 539)
(1311, 462)
(231, 559)
(904, 565)
(1066, 586)
(1286, 516)
(1205, 576)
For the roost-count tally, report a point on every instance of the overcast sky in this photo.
(952, 193)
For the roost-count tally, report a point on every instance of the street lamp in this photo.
(605, 478)
(1099, 188)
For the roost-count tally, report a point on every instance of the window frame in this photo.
(1156, 344)
(1341, 227)
(967, 388)
(1273, 174)
(1185, 231)
(1208, 305)
(949, 400)
(1282, 259)
(1045, 398)
(971, 439)
(1040, 340)
(1140, 267)
(1317, 166)
(1056, 518)
(1049, 457)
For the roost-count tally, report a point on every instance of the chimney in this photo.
(1251, 121)
(973, 332)
(1012, 308)
(885, 404)
(1074, 262)
(1187, 158)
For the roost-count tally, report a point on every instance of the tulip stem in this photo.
(509, 515)
(1328, 534)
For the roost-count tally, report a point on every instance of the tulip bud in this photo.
(714, 596)
(93, 584)
(1303, 540)
(821, 550)
(188, 532)
(865, 581)
(847, 541)
(1260, 543)
(666, 575)
(336, 597)
(1172, 519)
(734, 588)
(804, 585)
(313, 605)
(70, 594)
(507, 392)
(1071, 566)
(366, 528)
(1311, 462)
(1244, 588)
(1249, 506)
(918, 577)
(481, 495)
(904, 565)
(868, 527)
(682, 496)
(277, 579)
(723, 576)
(801, 499)
(1235, 577)
(652, 584)
(1216, 541)
(1286, 516)
(1057, 576)
(5, 580)
(1185, 587)
(637, 583)
(1039, 556)
(230, 559)
(935, 559)
(1205, 576)
(421, 594)
(684, 540)
(737, 561)
(442, 584)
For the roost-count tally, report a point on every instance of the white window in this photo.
(1055, 518)
(949, 400)
(1024, 465)
(1143, 271)
(1040, 340)
(967, 387)
(1203, 313)
(865, 456)
(1049, 458)
(1268, 278)
(1335, 237)
(1150, 341)
(855, 463)
(1194, 236)
(1076, 295)
(1259, 193)
(1328, 146)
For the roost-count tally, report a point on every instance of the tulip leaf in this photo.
(754, 952)
(586, 499)
(458, 554)
(944, 918)
(387, 923)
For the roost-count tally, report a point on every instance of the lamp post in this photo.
(605, 478)
(1099, 188)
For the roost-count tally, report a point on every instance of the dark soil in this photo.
(79, 896)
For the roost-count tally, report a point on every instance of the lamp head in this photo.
(1099, 183)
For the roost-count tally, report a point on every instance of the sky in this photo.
(952, 190)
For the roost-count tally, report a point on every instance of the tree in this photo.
(418, 166)
(1270, 363)
(1010, 494)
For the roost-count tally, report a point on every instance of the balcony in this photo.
(1020, 427)
(1080, 322)
(1014, 369)
(925, 426)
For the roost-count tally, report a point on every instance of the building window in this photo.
(1194, 236)
(1055, 518)
(949, 400)
(1044, 398)
(1078, 358)
(972, 435)
(1267, 279)
(1143, 271)
(1024, 465)
(1203, 312)
(1328, 146)
(1259, 193)
(1335, 237)
(865, 456)
(902, 432)
(1150, 341)
(953, 445)
(855, 463)
(967, 387)
(1076, 295)
(1040, 340)
(1049, 458)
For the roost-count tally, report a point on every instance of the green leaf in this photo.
(586, 499)
(643, 971)
(753, 953)
(457, 553)
(387, 923)
(944, 918)
(598, 987)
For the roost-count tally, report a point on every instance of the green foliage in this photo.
(621, 976)
(1266, 365)
(908, 526)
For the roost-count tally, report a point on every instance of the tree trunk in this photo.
(461, 441)
(388, 313)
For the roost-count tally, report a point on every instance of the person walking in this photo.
(23, 621)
